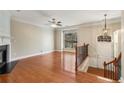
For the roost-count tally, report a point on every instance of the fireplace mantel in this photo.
(4, 40)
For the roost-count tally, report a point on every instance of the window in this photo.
(70, 40)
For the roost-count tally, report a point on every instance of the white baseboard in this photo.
(27, 56)
(59, 50)
(84, 66)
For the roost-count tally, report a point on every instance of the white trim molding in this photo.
(60, 50)
(36, 54)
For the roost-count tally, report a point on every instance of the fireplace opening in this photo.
(3, 55)
(6, 66)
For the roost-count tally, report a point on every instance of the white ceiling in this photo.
(68, 17)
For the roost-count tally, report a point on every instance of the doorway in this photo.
(116, 41)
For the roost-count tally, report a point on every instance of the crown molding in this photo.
(109, 21)
(94, 23)
(27, 22)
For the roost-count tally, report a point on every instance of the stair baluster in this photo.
(111, 69)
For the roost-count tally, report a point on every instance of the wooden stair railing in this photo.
(112, 70)
(81, 54)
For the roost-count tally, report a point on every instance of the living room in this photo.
(35, 42)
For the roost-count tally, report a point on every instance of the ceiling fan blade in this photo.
(51, 22)
(54, 22)
(53, 19)
(59, 22)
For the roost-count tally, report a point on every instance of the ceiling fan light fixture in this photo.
(54, 25)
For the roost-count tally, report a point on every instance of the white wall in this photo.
(98, 51)
(4, 27)
(29, 39)
(58, 39)
(58, 42)
(4, 23)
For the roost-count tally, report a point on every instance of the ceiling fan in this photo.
(55, 23)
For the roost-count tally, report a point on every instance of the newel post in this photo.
(76, 58)
(104, 69)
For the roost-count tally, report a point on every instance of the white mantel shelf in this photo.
(4, 44)
(4, 36)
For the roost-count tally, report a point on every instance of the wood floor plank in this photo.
(96, 71)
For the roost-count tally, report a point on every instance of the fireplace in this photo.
(6, 66)
(3, 55)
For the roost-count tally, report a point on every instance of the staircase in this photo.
(81, 56)
(112, 69)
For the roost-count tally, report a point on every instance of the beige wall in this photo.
(29, 39)
(57, 39)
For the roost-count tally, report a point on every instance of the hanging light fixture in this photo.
(105, 37)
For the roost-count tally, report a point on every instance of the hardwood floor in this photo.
(49, 68)
(96, 71)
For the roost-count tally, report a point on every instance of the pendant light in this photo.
(105, 30)
(105, 37)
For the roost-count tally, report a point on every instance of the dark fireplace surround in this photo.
(4, 58)
(5, 65)
(3, 55)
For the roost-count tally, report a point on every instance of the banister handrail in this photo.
(113, 61)
(111, 69)
(82, 45)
